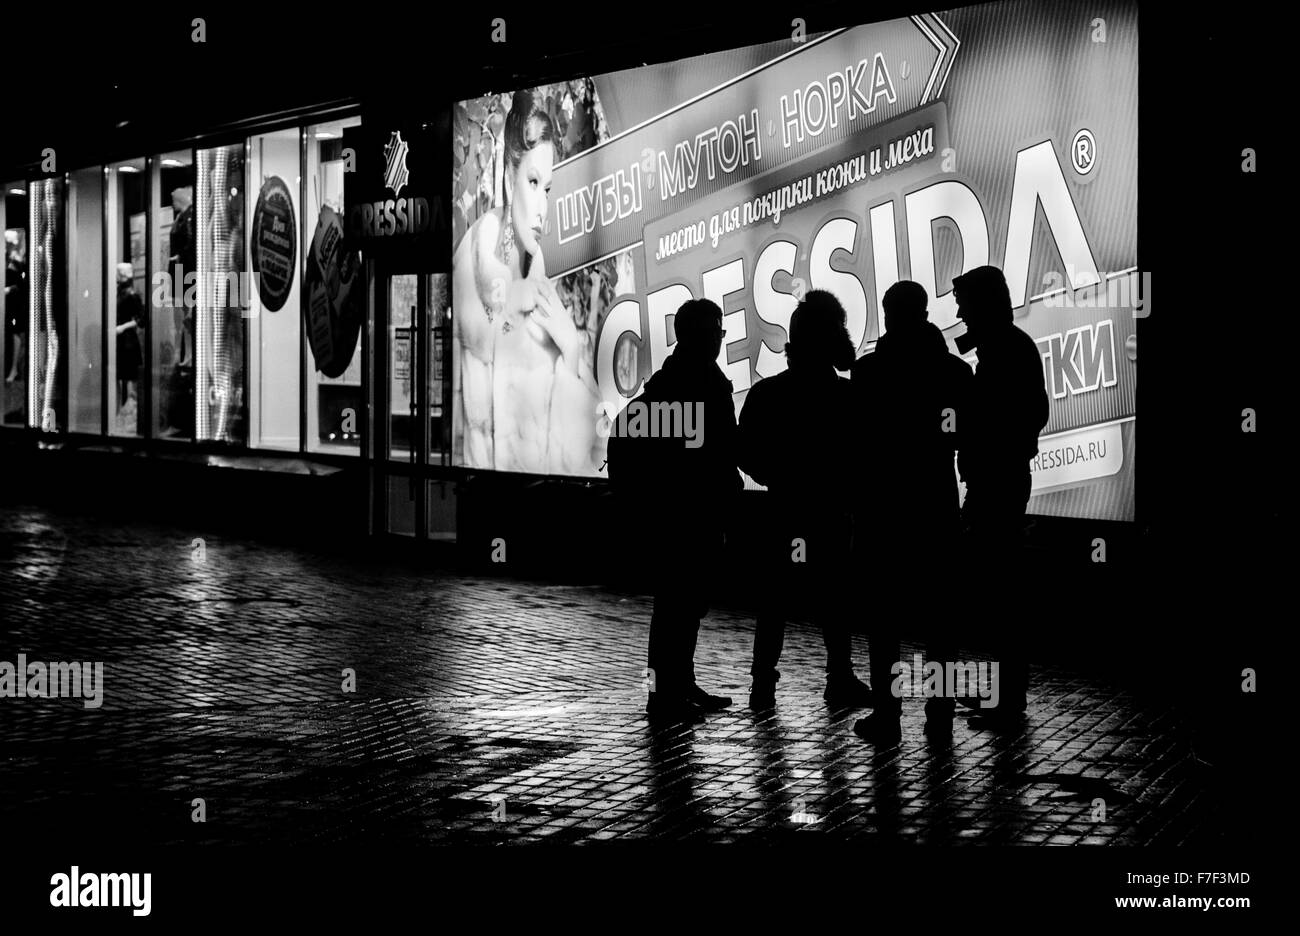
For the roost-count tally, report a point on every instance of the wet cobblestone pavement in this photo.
(223, 681)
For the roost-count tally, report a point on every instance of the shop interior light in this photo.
(172, 163)
(325, 134)
(17, 191)
(127, 169)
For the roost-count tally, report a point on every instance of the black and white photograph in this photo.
(616, 457)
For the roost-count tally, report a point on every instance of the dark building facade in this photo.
(236, 295)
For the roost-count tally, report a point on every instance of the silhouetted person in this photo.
(686, 483)
(794, 439)
(999, 437)
(909, 400)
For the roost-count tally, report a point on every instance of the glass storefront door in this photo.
(14, 305)
(412, 379)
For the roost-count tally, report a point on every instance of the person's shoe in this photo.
(881, 727)
(940, 708)
(939, 716)
(669, 710)
(972, 702)
(762, 695)
(762, 692)
(709, 703)
(848, 692)
(976, 704)
(998, 719)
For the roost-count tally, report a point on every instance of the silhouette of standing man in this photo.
(1008, 408)
(686, 483)
(909, 396)
(794, 438)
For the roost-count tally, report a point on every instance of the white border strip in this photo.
(938, 62)
(956, 44)
(1100, 425)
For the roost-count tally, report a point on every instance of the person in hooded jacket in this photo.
(686, 483)
(795, 439)
(1008, 409)
(910, 395)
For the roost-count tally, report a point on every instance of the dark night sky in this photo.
(102, 69)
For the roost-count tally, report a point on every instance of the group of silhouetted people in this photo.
(865, 521)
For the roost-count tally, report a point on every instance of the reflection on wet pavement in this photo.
(490, 710)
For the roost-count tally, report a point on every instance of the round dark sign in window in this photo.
(275, 243)
(335, 296)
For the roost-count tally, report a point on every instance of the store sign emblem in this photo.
(395, 173)
(392, 214)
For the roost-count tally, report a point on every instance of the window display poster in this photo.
(275, 243)
(163, 245)
(400, 368)
(335, 297)
(138, 269)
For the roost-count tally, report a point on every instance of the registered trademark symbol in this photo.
(1083, 151)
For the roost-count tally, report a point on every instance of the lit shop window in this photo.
(47, 312)
(333, 303)
(127, 290)
(14, 305)
(173, 291)
(86, 300)
(439, 370)
(224, 290)
(273, 315)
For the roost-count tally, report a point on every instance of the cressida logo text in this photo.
(877, 242)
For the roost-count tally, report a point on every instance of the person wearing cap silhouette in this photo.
(1008, 409)
(910, 399)
(794, 438)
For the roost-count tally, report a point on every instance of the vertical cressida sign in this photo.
(916, 148)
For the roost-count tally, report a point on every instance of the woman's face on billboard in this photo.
(528, 200)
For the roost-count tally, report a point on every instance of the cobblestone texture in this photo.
(223, 680)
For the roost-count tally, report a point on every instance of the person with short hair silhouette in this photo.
(688, 487)
(794, 439)
(1008, 409)
(909, 397)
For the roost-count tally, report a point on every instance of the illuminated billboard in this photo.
(586, 212)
